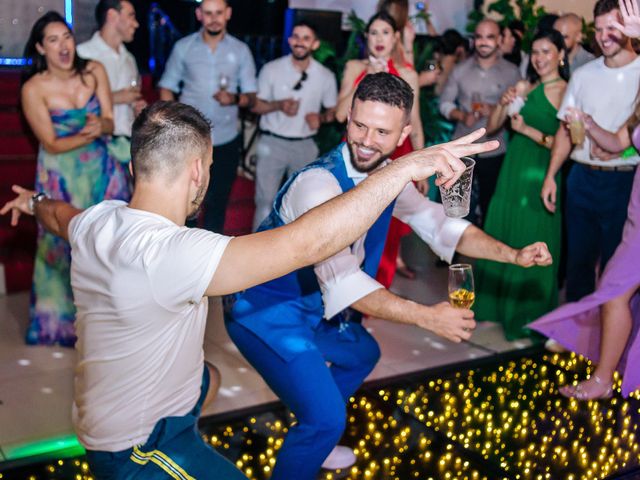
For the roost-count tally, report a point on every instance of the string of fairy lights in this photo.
(504, 420)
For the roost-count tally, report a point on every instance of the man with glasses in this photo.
(295, 95)
(215, 73)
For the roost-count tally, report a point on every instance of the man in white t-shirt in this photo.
(117, 25)
(140, 280)
(292, 92)
(599, 184)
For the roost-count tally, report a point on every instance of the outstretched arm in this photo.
(53, 215)
(477, 244)
(332, 226)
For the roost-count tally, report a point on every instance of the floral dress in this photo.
(82, 177)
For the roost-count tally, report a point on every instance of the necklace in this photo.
(554, 80)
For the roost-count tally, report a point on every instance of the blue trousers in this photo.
(315, 393)
(596, 209)
(174, 450)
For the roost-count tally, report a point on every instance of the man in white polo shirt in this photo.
(598, 189)
(117, 25)
(292, 92)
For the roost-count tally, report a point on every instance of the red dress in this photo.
(397, 229)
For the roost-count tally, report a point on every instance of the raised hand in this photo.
(508, 96)
(444, 159)
(18, 205)
(630, 12)
(534, 254)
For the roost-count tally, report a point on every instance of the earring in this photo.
(562, 62)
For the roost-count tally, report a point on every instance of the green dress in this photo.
(512, 295)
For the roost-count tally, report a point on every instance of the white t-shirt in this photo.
(138, 280)
(340, 277)
(609, 96)
(121, 69)
(276, 82)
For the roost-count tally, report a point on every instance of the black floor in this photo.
(497, 418)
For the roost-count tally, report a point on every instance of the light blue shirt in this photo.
(194, 71)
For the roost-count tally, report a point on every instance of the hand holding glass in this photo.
(461, 289)
(457, 199)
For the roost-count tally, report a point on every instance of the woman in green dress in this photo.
(507, 294)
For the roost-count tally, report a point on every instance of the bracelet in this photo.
(36, 199)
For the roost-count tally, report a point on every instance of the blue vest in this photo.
(283, 312)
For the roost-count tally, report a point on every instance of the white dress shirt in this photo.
(122, 71)
(341, 279)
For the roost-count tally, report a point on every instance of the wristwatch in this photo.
(545, 139)
(35, 199)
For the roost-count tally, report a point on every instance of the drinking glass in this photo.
(576, 127)
(457, 199)
(223, 81)
(136, 82)
(476, 103)
(461, 290)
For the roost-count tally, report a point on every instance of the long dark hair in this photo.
(554, 37)
(38, 62)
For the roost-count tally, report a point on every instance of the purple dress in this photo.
(577, 325)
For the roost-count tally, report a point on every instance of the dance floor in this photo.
(496, 418)
(430, 410)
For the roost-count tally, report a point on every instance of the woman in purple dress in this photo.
(604, 326)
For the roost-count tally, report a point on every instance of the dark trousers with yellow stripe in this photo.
(174, 450)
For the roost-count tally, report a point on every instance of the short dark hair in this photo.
(163, 135)
(384, 16)
(103, 7)
(602, 7)
(306, 23)
(385, 88)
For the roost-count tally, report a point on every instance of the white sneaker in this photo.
(554, 346)
(340, 457)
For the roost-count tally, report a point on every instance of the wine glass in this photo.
(461, 290)
(223, 81)
(136, 82)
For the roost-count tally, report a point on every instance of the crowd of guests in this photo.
(537, 108)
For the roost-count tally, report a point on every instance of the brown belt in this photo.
(618, 168)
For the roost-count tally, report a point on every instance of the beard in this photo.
(197, 203)
(214, 33)
(303, 56)
(360, 167)
(484, 53)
